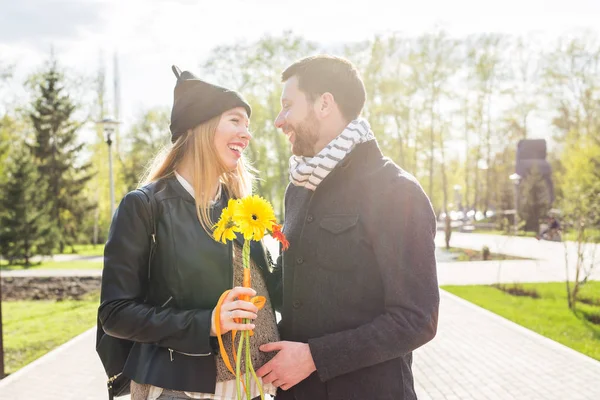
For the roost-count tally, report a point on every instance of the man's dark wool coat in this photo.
(359, 279)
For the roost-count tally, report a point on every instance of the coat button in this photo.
(310, 218)
(299, 260)
(297, 304)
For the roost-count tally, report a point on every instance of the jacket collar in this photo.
(180, 190)
(257, 251)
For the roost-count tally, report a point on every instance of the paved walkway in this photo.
(476, 355)
(521, 246)
(26, 273)
(548, 264)
(66, 257)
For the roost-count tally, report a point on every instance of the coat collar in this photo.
(257, 251)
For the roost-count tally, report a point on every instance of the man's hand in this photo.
(292, 364)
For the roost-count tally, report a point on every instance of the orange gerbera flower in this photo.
(279, 236)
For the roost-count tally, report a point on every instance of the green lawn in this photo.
(80, 264)
(88, 250)
(548, 315)
(477, 255)
(504, 233)
(32, 328)
(592, 235)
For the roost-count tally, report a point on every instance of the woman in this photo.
(167, 307)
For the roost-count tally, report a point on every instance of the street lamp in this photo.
(516, 180)
(457, 197)
(109, 127)
(1, 336)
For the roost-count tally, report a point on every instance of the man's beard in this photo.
(306, 136)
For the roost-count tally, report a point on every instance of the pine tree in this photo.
(24, 224)
(57, 154)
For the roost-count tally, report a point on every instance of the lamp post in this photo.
(457, 197)
(109, 126)
(516, 180)
(1, 336)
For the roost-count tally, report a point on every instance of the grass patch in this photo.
(504, 233)
(79, 264)
(87, 250)
(476, 255)
(591, 235)
(548, 315)
(594, 318)
(517, 290)
(32, 328)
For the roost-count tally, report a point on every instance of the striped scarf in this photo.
(310, 171)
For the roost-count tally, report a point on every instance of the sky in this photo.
(151, 35)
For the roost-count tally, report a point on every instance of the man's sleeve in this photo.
(400, 224)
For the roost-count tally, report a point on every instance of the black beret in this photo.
(196, 101)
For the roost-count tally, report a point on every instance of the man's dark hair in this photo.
(324, 73)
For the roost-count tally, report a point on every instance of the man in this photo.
(552, 232)
(359, 279)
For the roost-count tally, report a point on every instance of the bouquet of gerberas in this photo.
(253, 217)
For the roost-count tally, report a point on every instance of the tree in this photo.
(145, 140)
(572, 84)
(581, 208)
(7, 124)
(485, 62)
(24, 226)
(435, 57)
(524, 72)
(57, 155)
(7, 133)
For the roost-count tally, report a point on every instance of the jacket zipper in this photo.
(171, 351)
(167, 302)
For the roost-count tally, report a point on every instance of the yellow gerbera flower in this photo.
(226, 227)
(254, 216)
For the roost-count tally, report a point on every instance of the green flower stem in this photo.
(245, 339)
(258, 384)
(238, 364)
(247, 365)
(246, 253)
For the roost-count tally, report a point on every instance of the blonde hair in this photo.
(208, 169)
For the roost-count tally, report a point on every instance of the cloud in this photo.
(38, 23)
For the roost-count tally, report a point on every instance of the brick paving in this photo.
(70, 372)
(38, 273)
(521, 247)
(478, 355)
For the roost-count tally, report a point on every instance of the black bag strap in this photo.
(152, 218)
(114, 351)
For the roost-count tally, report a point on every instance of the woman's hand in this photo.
(233, 308)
